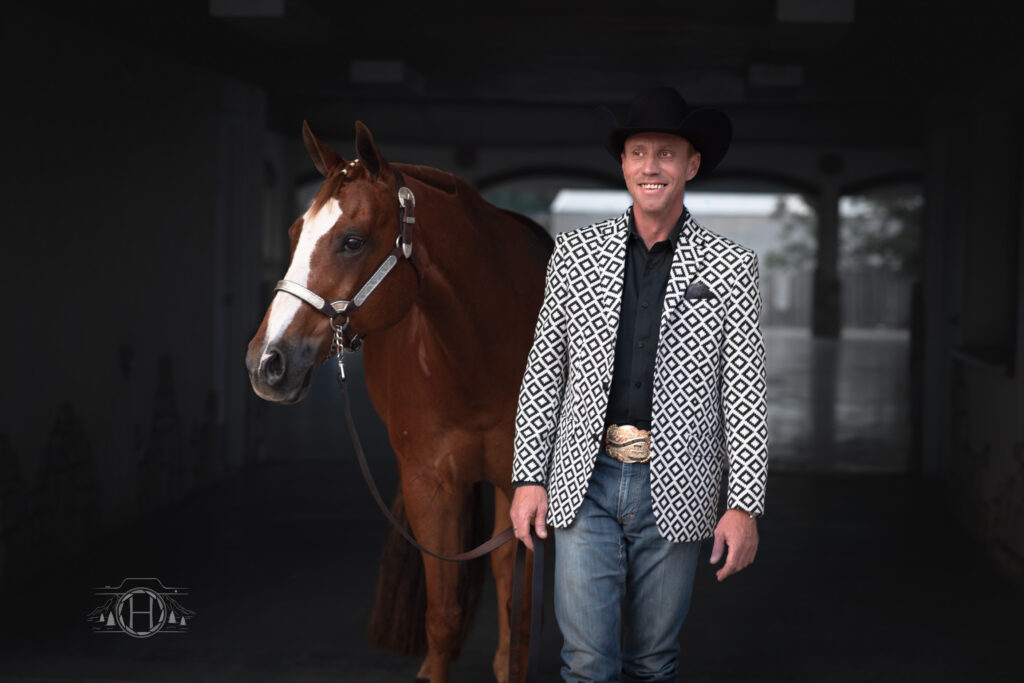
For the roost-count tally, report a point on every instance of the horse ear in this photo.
(324, 158)
(366, 150)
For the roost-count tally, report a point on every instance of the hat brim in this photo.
(708, 130)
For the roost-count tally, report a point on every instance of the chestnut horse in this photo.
(447, 332)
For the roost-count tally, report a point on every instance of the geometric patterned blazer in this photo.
(709, 406)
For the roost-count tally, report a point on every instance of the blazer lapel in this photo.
(685, 266)
(612, 267)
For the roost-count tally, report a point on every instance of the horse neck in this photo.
(458, 263)
(472, 319)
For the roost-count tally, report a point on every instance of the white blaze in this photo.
(284, 306)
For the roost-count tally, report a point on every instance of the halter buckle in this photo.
(405, 195)
(407, 200)
(406, 248)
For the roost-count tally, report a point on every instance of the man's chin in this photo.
(653, 209)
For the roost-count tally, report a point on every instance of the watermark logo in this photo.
(141, 608)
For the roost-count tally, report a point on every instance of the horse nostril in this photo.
(272, 366)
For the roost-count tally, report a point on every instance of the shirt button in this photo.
(638, 384)
(643, 304)
(639, 345)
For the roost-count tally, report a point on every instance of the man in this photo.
(645, 383)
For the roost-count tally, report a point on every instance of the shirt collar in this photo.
(673, 237)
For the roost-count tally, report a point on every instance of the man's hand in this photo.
(529, 506)
(738, 531)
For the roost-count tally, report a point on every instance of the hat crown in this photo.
(663, 110)
(658, 107)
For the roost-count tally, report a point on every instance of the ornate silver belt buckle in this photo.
(627, 443)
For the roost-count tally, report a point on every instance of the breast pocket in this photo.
(704, 315)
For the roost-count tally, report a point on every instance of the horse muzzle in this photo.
(281, 372)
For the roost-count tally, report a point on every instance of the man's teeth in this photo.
(651, 186)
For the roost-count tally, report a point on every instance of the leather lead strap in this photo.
(479, 551)
(519, 572)
(536, 610)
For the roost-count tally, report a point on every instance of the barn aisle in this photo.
(860, 578)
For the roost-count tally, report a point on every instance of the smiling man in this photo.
(644, 387)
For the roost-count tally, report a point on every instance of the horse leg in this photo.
(434, 509)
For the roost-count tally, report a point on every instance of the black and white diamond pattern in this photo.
(709, 408)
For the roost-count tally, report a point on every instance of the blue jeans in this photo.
(621, 590)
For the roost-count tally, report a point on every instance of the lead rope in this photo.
(515, 647)
(519, 570)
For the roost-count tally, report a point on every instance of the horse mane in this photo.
(537, 228)
(451, 184)
(442, 181)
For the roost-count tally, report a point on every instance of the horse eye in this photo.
(351, 243)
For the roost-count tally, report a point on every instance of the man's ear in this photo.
(692, 165)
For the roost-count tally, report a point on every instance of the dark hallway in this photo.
(863, 574)
(859, 577)
(154, 161)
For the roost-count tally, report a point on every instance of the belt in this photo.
(627, 443)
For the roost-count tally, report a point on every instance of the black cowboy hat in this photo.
(663, 110)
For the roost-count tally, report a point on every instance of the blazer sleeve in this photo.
(744, 392)
(540, 396)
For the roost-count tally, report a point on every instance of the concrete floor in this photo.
(838, 405)
(862, 574)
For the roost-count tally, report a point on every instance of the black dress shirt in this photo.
(636, 345)
(643, 295)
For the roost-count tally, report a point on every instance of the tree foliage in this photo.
(878, 231)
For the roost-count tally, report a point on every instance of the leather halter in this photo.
(344, 337)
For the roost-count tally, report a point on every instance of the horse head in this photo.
(347, 232)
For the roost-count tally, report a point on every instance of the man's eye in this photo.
(351, 244)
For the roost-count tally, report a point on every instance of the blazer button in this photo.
(604, 386)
